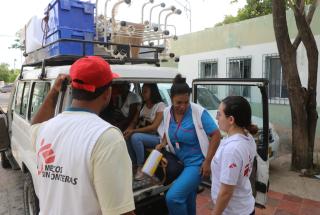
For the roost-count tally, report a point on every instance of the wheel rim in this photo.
(30, 206)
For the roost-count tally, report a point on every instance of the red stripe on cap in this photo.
(87, 87)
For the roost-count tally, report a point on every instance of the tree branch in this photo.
(309, 17)
(286, 51)
(310, 44)
(280, 26)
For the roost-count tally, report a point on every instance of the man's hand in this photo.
(128, 132)
(47, 109)
(205, 168)
(59, 80)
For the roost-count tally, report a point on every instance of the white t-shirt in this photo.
(132, 98)
(232, 165)
(149, 114)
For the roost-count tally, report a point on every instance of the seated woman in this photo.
(143, 129)
(124, 105)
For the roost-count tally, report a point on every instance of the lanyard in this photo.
(175, 134)
(177, 129)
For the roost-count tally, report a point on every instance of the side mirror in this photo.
(4, 135)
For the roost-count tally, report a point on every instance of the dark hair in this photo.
(86, 95)
(240, 109)
(179, 86)
(154, 93)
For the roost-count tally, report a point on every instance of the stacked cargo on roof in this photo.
(72, 19)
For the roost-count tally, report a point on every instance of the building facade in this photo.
(246, 49)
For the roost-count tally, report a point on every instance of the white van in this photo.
(32, 87)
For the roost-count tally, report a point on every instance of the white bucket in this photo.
(152, 162)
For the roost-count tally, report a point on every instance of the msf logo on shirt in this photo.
(45, 156)
(248, 167)
(46, 168)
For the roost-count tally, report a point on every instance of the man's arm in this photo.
(46, 110)
(111, 171)
(133, 111)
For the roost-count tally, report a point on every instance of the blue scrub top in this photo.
(184, 138)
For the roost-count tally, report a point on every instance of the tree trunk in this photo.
(299, 117)
(303, 25)
(302, 100)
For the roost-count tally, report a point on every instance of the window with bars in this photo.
(273, 71)
(209, 69)
(239, 68)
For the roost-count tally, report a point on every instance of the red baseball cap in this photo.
(91, 72)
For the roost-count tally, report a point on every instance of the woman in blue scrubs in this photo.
(187, 137)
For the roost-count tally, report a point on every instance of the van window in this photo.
(207, 99)
(17, 103)
(21, 101)
(39, 92)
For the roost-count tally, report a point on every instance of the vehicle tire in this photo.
(30, 199)
(253, 177)
(4, 161)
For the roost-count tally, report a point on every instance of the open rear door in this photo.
(209, 93)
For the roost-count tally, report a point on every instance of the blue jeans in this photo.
(139, 141)
(181, 197)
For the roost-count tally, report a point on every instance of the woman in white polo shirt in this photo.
(232, 164)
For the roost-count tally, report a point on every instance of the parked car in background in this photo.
(6, 89)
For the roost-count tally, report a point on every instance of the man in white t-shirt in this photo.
(83, 164)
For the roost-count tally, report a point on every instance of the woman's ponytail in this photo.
(253, 129)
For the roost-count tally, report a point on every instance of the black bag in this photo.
(169, 169)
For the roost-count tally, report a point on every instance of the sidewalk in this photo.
(295, 195)
(278, 204)
(291, 183)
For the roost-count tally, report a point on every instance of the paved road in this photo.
(4, 97)
(11, 182)
(11, 192)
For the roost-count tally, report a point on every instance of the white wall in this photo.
(189, 65)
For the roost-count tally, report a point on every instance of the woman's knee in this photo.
(136, 137)
(174, 197)
(170, 198)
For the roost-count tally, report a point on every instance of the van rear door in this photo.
(209, 93)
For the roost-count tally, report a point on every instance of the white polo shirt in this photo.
(232, 165)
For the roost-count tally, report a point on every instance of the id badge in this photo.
(177, 145)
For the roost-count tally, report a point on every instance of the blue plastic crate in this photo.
(70, 48)
(71, 14)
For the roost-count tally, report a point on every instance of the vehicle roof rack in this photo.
(40, 58)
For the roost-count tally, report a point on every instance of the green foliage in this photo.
(227, 20)
(7, 75)
(253, 8)
(18, 44)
